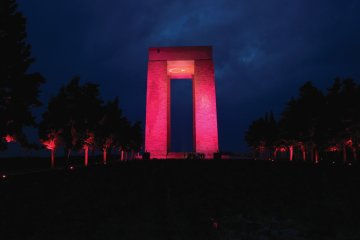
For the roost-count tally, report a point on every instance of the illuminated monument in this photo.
(166, 63)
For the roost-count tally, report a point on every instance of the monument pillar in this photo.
(205, 116)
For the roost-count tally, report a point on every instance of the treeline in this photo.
(314, 126)
(76, 118)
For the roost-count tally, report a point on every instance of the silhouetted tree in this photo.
(19, 90)
(136, 137)
(262, 134)
(314, 124)
(341, 121)
(109, 132)
(300, 119)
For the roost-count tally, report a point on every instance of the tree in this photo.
(262, 134)
(341, 121)
(74, 114)
(300, 119)
(19, 89)
(136, 137)
(109, 130)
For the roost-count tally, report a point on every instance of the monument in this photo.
(164, 64)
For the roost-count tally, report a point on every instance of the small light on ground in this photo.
(3, 176)
(349, 164)
(71, 168)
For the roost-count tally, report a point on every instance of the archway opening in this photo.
(181, 116)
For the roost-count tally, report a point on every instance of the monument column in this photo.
(157, 109)
(206, 132)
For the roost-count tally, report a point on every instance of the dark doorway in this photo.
(181, 105)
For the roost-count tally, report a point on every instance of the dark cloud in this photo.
(263, 50)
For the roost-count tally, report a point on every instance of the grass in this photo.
(182, 200)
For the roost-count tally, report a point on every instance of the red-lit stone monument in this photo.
(166, 63)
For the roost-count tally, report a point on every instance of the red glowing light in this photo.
(349, 143)
(190, 62)
(71, 168)
(3, 176)
(282, 149)
(8, 138)
(50, 144)
(303, 150)
(89, 141)
(333, 149)
(316, 156)
(291, 149)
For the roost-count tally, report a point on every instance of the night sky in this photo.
(263, 50)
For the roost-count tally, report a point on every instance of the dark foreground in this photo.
(184, 200)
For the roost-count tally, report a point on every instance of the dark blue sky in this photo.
(263, 50)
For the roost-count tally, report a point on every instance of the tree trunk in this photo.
(275, 153)
(86, 155)
(355, 154)
(312, 153)
(291, 150)
(68, 154)
(52, 158)
(104, 155)
(303, 152)
(122, 155)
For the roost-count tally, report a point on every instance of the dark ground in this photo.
(185, 199)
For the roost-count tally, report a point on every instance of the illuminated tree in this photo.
(109, 132)
(19, 89)
(50, 143)
(74, 113)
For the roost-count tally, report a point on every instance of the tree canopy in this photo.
(77, 118)
(314, 123)
(19, 89)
